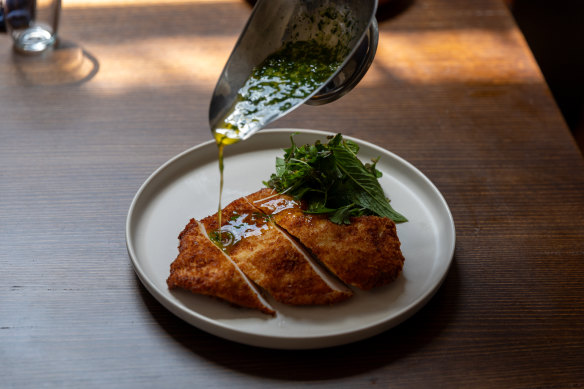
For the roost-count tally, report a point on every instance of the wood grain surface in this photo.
(453, 89)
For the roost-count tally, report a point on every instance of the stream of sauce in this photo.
(282, 81)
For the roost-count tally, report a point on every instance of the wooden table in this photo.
(454, 89)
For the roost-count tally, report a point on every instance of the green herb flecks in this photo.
(281, 82)
(332, 180)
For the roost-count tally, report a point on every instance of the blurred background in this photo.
(554, 30)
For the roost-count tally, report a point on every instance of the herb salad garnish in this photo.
(332, 180)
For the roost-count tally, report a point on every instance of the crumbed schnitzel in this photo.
(365, 253)
(270, 258)
(201, 267)
(267, 238)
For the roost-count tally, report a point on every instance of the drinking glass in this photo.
(31, 23)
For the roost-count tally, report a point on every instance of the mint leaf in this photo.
(342, 215)
(368, 192)
(280, 166)
(330, 179)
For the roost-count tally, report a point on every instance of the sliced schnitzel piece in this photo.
(201, 267)
(270, 258)
(365, 253)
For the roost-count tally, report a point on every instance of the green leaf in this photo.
(280, 166)
(342, 215)
(368, 193)
(331, 179)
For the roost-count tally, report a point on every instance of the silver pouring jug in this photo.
(349, 24)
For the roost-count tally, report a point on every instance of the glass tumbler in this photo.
(31, 23)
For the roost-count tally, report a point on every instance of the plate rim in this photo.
(222, 330)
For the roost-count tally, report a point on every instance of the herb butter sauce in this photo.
(283, 80)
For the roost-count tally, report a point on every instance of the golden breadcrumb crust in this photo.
(270, 259)
(365, 253)
(202, 268)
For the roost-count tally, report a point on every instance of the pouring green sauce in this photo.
(282, 81)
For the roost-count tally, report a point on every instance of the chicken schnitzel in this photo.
(271, 259)
(201, 267)
(365, 253)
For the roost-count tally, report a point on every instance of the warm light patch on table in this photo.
(422, 57)
(139, 63)
(190, 60)
(141, 3)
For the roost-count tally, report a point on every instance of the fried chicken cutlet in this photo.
(272, 259)
(365, 253)
(201, 267)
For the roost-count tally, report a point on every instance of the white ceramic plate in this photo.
(188, 186)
